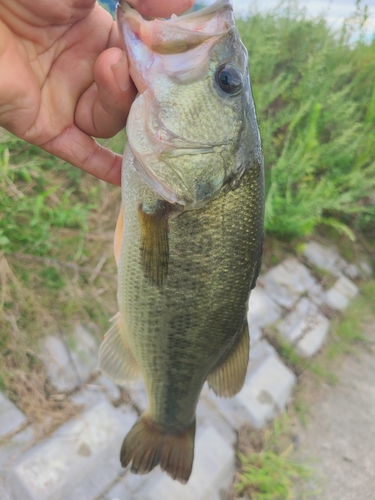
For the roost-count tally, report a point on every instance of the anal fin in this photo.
(146, 445)
(154, 243)
(228, 378)
(115, 359)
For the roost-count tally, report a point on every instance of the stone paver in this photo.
(286, 282)
(262, 310)
(305, 327)
(11, 418)
(78, 462)
(365, 269)
(265, 393)
(207, 416)
(255, 335)
(340, 295)
(328, 259)
(137, 394)
(259, 352)
(58, 363)
(267, 390)
(316, 294)
(120, 491)
(110, 387)
(101, 388)
(89, 396)
(84, 351)
(299, 321)
(313, 340)
(10, 450)
(69, 360)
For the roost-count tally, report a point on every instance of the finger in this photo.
(103, 109)
(40, 13)
(161, 8)
(79, 149)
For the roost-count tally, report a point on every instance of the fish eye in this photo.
(229, 79)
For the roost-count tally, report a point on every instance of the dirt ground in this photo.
(338, 443)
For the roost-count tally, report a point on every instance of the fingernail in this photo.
(121, 73)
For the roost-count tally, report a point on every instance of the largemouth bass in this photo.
(189, 235)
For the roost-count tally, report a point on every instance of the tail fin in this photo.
(147, 446)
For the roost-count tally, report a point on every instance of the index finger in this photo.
(161, 8)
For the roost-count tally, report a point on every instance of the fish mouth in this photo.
(178, 48)
(179, 33)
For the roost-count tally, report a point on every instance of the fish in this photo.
(188, 240)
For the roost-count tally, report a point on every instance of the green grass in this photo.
(316, 110)
(347, 331)
(32, 206)
(270, 474)
(56, 225)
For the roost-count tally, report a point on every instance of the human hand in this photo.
(63, 78)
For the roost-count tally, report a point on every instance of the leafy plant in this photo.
(48, 274)
(270, 474)
(31, 206)
(316, 113)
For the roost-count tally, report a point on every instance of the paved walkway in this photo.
(339, 442)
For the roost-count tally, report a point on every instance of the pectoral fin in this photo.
(154, 245)
(115, 359)
(228, 378)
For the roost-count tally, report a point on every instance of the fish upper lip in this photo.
(210, 9)
(126, 14)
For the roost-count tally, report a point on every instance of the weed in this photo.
(56, 226)
(316, 113)
(31, 206)
(270, 474)
(347, 331)
(301, 409)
